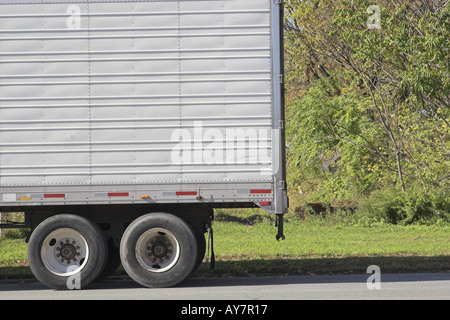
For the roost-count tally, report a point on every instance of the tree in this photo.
(376, 100)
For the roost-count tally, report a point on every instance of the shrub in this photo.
(391, 205)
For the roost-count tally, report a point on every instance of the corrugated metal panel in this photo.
(115, 100)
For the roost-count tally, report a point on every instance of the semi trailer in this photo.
(124, 124)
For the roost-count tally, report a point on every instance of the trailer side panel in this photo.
(141, 102)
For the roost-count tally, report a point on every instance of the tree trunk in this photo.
(399, 169)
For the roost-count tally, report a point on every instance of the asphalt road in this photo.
(348, 287)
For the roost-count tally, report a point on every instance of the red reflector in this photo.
(118, 194)
(265, 203)
(265, 191)
(186, 193)
(55, 195)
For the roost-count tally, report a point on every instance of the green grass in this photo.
(12, 251)
(244, 244)
(13, 258)
(313, 239)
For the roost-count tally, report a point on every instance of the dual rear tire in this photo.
(67, 248)
(156, 250)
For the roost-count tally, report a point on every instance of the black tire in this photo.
(201, 251)
(62, 232)
(158, 250)
(112, 262)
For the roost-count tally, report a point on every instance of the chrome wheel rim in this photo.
(157, 250)
(64, 252)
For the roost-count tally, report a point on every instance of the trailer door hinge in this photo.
(280, 79)
(282, 185)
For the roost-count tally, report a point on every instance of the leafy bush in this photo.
(391, 205)
(16, 233)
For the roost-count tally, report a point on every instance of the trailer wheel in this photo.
(67, 252)
(158, 250)
(201, 251)
(112, 262)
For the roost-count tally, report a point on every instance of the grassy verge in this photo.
(321, 246)
(13, 257)
(244, 244)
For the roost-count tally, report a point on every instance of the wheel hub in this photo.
(67, 251)
(158, 249)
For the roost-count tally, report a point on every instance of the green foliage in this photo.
(325, 143)
(391, 205)
(15, 233)
(368, 109)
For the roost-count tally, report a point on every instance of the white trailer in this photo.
(124, 123)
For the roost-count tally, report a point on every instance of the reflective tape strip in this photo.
(54, 195)
(186, 193)
(253, 191)
(264, 191)
(118, 194)
(178, 193)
